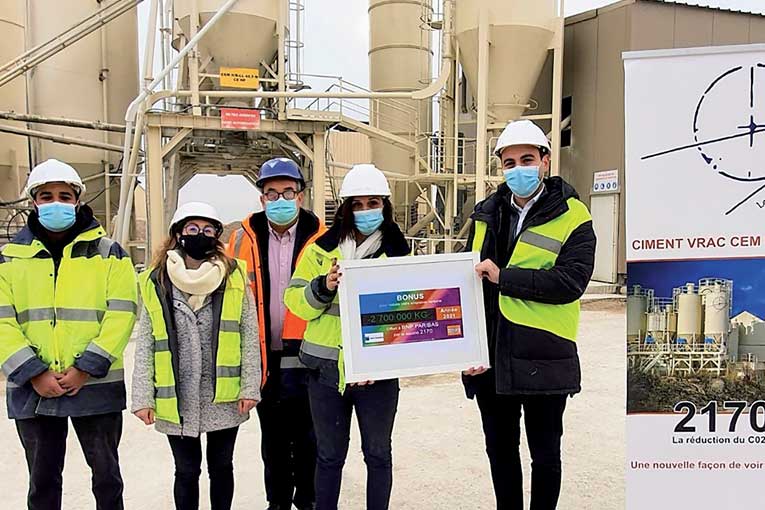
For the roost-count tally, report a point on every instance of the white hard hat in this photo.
(53, 170)
(364, 180)
(195, 210)
(521, 132)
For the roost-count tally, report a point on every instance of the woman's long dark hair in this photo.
(171, 243)
(344, 217)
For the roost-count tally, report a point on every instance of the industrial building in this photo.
(222, 89)
(692, 332)
(593, 94)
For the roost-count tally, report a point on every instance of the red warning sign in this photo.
(241, 120)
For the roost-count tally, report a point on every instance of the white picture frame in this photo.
(422, 337)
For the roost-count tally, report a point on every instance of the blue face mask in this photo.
(281, 212)
(368, 221)
(523, 181)
(56, 216)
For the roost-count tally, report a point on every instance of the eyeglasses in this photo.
(192, 229)
(273, 195)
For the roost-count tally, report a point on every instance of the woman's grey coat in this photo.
(198, 412)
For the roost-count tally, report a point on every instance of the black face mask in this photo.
(198, 247)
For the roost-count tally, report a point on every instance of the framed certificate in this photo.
(412, 316)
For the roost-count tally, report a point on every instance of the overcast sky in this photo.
(336, 44)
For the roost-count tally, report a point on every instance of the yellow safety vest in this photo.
(538, 248)
(88, 307)
(229, 354)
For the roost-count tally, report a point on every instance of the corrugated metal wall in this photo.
(349, 147)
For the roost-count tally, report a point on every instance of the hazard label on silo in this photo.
(239, 77)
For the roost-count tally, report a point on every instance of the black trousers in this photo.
(44, 442)
(543, 417)
(375, 407)
(187, 453)
(288, 447)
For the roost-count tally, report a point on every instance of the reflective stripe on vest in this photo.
(289, 362)
(229, 354)
(251, 258)
(538, 248)
(294, 328)
(57, 320)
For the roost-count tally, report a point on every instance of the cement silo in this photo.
(637, 307)
(662, 321)
(399, 61)
(520, 32)
(245, 37)
(94, 79)
(671, 320)
(689, 314)
(717, 298)
(14, 158)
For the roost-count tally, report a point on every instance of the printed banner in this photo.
(695, 183)
(412, 316)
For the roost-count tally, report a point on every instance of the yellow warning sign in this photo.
(239, 77)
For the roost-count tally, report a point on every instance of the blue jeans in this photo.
(375, 407)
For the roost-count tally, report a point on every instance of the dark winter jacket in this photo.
(280, 383)
(528, 360)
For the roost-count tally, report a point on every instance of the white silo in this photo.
(671, 321)
(637, 307)
(662, 320)
(246, 36)
(520, 33)
(689, 314)
(93, 79)
(400, 57)
(717, 298)
(654, 325)
(14, 158)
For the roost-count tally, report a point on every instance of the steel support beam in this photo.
(174, 144)
(154, 184)
(300, 144)
(66, 140)
(319, 175)
(483, 105)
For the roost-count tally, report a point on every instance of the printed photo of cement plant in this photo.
(695, 332)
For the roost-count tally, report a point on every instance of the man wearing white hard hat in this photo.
(363, 228)
(537, 249)
(67, 308)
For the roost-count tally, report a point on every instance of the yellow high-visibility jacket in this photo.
(308, 299)
(80, 313)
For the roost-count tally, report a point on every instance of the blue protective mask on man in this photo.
(57, 216)
(523, 181)
(368, 221)
(281, 212)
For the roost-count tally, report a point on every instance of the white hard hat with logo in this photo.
(53, 170)
(196, 210)
(521, 132)
(364, 180)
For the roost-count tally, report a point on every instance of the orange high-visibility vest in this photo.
(243, 245)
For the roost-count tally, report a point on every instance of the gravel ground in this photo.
(438, 444)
